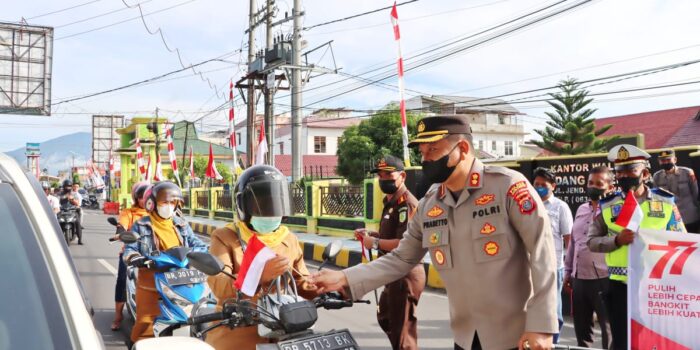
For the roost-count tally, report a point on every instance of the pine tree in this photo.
(571, 128)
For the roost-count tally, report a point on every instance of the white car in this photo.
(42, 303)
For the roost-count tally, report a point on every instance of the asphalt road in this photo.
(96, 262)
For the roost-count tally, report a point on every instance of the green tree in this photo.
(571, 128)
(362, 145)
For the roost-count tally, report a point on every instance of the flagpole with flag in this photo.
(262, 146)
(171, 153)
(139, 160)
(402, 101)
(232, 131)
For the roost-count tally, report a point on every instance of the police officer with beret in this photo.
(396, 312)
(684, 185)
(488, 236)
(604, 236)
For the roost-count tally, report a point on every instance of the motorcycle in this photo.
(289, 323)
(69, 221)
(183, 291)
(90, 202)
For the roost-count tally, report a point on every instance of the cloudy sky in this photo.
(600, 39)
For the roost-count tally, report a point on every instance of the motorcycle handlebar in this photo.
(217, 316)
(333, 301)
(114, 238)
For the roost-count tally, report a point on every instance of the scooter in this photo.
(68, 220)
(291, 322)
(182, 290)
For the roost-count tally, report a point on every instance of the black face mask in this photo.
(595, 193)
(388, 186)
(437, 171)
(667, 166)
(629, 183)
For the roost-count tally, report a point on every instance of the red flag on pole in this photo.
(402, 102)
(171, 154)
(262, 145)
(139, 160)
(211, 170)
(232, 125)
(158, 176)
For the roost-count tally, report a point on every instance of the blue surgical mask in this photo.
(542, 191)
(265, 224)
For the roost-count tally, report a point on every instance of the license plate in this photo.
(341, 340)
(180, 277)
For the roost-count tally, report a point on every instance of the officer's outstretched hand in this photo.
(329, 281)
(535, 341)
(625, 237)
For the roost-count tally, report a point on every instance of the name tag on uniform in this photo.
(656, 209)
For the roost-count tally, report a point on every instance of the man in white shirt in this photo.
(562, 223)
(53, 201)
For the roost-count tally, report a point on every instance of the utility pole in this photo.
(268, 90)
(251, 86)
(296, 92)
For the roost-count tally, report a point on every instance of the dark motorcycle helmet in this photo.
(67, 184)
(138, 190)
(261, 190)
(160, 192)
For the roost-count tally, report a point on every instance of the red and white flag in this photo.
(139, 161)
(262, 146)
(631, 215)
(366, 253)
(111, 163)
(402, 101)
(148, 170)
(211, 166)
(254, 258)
(231, 126)
(158, 175)
(191, 164)
(171, 154)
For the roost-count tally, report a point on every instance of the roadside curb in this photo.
(346, 257)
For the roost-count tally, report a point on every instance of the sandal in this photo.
(116, 325)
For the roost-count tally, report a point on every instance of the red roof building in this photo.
(665, 128)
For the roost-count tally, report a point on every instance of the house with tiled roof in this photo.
(659, 129)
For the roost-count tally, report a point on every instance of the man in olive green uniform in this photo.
(488, 236)
(604, 236)
(681, 181)
(396, 311)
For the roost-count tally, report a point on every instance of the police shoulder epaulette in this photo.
(609, 198)
(662, 192)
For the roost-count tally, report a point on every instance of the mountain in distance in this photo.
(56, 153)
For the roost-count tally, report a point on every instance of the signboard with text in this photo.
(664, 290)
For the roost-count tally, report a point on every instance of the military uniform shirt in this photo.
(684, 186)
(494, 250)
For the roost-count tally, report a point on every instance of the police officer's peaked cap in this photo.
(667, 153)
(388, 163)
(627, 155)
(432, 129)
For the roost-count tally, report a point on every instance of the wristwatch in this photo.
(375, 244)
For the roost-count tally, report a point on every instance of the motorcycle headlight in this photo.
(173, 296)
(61, 219)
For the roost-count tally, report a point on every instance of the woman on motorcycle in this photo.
(159, 230)
(127, 218)
(262, 199)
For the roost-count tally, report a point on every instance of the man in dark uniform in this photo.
(682, 182)
(397, 305)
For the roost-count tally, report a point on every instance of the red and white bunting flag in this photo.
(111, 163)
(148, 170)
(191, 164)
(139, 160)
(254, 258)
(231, 127)
(262, 146)
(211, 167)
(89, 169)
(158, 175)
(631, 215)
(171, 153)
(402, 101)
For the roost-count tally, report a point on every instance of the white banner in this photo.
(664, 290)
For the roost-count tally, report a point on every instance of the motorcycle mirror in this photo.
(112, 221)
(128, 237)
(206, 263)
(332, 250)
